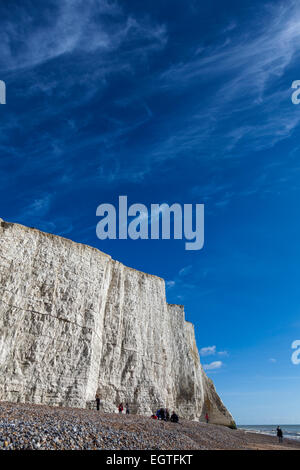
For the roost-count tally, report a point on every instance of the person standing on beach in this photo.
(279, 434)
(97, 402)
(206, 418)
(121, 408)
(127, 409)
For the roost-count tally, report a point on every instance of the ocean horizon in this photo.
(290, 431)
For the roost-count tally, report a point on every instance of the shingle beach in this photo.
(28, 426)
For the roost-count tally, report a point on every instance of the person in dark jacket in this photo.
(174, 418)
(127, 409)
(167, 415)
(279, 434)
(121, 408)
(161, 413)
(97, 402)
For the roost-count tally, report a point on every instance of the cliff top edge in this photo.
(68, 240)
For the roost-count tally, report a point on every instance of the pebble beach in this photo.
(39, 427)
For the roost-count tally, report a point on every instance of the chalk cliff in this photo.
(74, 322)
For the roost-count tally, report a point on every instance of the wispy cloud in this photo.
(243, 72)
(252, 59)
(213, 365)
(186, 270)
(182, 281)
(208, 350)
(69, 26)
(223, 353)
(74, 49)
(170, 284)
(58, 59)
(212, 350)
(39, 207)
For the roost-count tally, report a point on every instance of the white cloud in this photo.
(213, 365)
(208, 350)
(211, 351)
(170, 284)
(272, 360)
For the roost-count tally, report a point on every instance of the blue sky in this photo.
(171, 102)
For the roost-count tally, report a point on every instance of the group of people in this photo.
(121, 408)
(161, 414)
(164, 415)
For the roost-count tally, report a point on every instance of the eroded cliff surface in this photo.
(74, 322)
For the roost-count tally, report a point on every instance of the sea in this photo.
(290, 431)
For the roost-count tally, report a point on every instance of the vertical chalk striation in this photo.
(74, 322)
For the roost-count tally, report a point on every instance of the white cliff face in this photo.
(74, 322)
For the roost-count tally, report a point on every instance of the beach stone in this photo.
(74, 322)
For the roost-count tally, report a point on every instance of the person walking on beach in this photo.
(127, 409)
(97, 401)
(207, 418)
(121, 408)
(279, 434)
